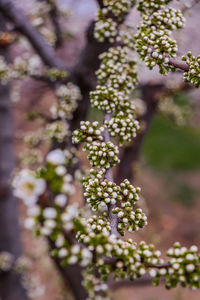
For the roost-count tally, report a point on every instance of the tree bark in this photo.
(131, 153)
(10, 285)
(72, 275)
(83, 74)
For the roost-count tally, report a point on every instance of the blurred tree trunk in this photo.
(131, 154)
(10, 285)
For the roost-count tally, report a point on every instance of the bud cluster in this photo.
(107, 98)
(105, 27)
(153, 39)
(133, 262)
(99, 193)
(94, 234)
(124, 126)
(184, 267)
(103, 155)
(88, 133)
(150, 6)
(129, 219)
(193, 75)
(126, 36)
(57, 131)
(23, 66)
(118, 69)
(168, 18)
(119, 8)
(108, 18)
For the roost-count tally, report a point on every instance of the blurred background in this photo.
(168, 169)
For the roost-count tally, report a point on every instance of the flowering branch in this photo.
(111, 205)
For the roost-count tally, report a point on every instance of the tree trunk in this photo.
(10, 285)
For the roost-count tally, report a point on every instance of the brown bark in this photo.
(10, 285)
(54, 16)
(83, 74)
(72, 275)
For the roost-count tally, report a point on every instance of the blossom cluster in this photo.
(30, 158)
(69, 95)
(192, 75)
(97, 290)
(55, 74)
(20, 68)
(47, 211)
(56, 222)
(57, 131)
(173, 111)
(23, 66)
(32, 139)
(4, 71)
(55, 172)
(26, 65)
(30, 186)
(153, 38)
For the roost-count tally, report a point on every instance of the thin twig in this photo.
(179, 64)
(109, 176)
(23, 25)
(54, 15)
